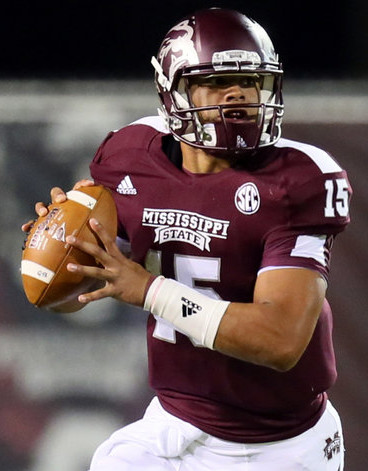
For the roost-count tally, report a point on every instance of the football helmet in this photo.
(215, 47)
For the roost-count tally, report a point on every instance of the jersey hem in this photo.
(244, 437)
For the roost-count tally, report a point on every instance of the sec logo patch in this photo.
(247, 199)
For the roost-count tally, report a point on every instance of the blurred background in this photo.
(69, 73)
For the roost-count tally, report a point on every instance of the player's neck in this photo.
(198, 161)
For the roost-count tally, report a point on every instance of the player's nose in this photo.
(234, 93)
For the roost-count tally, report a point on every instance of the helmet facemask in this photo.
(235, 127)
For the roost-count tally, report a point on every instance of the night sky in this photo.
(115, 40)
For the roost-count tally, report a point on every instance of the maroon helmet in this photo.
(215, 46)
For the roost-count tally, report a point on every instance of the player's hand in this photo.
(125, 280)
(57, 196)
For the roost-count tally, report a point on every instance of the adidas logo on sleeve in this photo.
(126, 187)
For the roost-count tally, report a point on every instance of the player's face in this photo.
(226, 90)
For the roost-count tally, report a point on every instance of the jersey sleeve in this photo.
(125, 150)
(104, 167)
(317, 210)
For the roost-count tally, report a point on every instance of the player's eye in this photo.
(220, 82)
(223, 81)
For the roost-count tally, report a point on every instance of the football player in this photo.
(230, 228)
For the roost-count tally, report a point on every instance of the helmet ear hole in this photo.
(230, 44)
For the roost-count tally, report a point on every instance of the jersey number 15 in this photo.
(337, 197)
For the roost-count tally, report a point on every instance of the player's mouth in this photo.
(236, 114)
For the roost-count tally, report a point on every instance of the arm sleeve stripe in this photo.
(310, 247)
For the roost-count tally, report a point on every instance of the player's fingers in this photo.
(41, 209)
(102, 293)
(82, 183)
(103, 235)
(92, 249)
(27, 226)
(91, 272)
(57, 195)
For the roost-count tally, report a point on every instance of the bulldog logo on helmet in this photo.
(179, 44)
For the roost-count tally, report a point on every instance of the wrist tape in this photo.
(191, 312)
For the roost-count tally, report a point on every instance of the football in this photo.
(46, 281)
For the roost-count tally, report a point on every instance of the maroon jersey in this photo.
(215, 233)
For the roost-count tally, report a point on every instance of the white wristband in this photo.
(191, 312)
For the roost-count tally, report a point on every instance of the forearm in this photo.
(249, 332)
